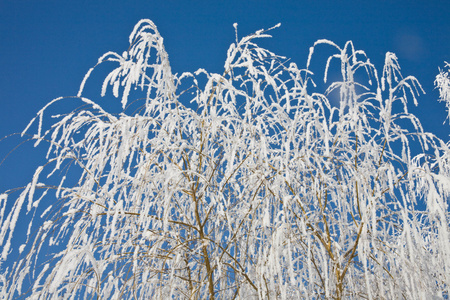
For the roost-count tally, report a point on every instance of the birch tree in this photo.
(248, 184)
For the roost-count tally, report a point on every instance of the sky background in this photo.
(46, 47)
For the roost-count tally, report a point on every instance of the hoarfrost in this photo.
(248, 185)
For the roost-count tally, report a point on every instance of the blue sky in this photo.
(46, 47)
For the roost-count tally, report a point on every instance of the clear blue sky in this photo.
(46, 47)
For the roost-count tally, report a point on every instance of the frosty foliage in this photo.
(242, 185)
(443, 83)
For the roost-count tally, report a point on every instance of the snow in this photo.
(253, 180)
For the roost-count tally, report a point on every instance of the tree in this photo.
(248, 184)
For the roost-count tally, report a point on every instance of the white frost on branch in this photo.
(245, 184)
(443, 83)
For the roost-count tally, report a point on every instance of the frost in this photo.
(22, 247)
(442, 82)
(247, 184)
(47, 225)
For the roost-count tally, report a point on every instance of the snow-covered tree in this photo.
(244, 185)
